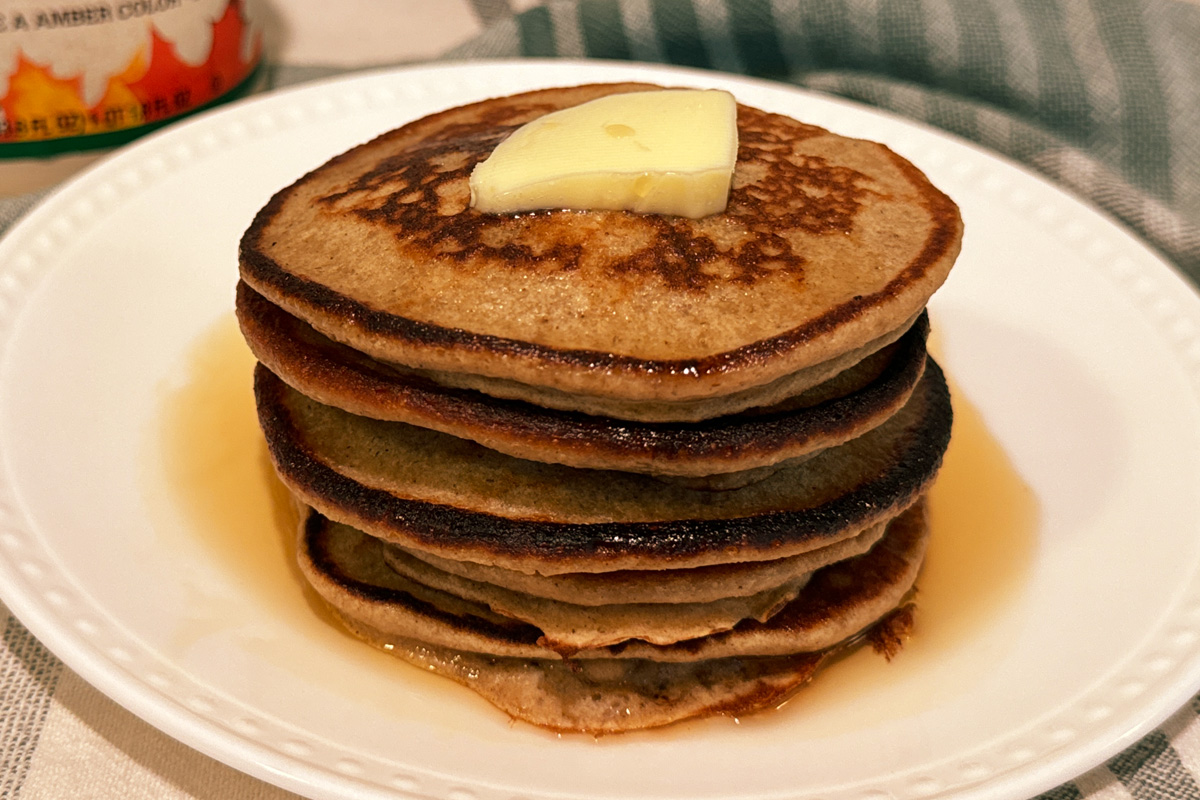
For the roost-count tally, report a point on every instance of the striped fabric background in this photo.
(1101, 96)
(28, 677)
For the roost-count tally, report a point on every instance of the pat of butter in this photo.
(660, 152)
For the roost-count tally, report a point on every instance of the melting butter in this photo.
(660, 152)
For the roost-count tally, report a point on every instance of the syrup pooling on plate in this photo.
(219, 478)
(221, 485)
(984, 519)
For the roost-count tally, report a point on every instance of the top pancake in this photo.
(828, 246)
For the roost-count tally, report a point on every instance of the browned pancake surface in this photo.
(609, 697)
(698, 584)
(827, 415)
(828, 243)
(431, 492)
(348, 569)
(568, 627)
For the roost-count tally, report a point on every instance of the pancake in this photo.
(600, 697)
(430, 492)
(568, 627)
(610, 470)
(828, 251)
(697, 585)
(775, 392)
(348, 570)
(846, 406)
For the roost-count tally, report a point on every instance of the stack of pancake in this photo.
(609, 470)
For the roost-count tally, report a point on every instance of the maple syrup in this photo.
(984, 521)
(221, 485)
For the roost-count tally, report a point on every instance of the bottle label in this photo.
(93, 73)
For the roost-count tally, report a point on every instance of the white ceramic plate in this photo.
(1079, 348)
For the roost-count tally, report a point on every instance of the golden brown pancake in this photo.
(347, 569)
(569, 627)
(833, 412)
(697, 585)
(609, 696)
(778, 391)
(508, 431)
(828, 250)
(430, 492)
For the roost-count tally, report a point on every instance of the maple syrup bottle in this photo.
(80, 78)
